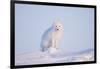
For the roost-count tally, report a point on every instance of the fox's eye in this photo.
(56, 26)
(59, 26)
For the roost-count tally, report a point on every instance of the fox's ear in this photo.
(57, 21)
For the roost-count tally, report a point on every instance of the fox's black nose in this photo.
(57, 29)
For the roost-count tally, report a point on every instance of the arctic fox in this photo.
(52, 36)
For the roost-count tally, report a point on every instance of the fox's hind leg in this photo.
(45, 46)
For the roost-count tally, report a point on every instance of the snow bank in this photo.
(45, 57)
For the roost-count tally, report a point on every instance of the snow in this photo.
(33, 58)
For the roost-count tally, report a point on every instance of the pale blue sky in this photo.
(31, 21)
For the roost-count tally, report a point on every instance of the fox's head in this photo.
(58, 25)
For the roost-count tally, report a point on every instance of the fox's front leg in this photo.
(56, 44)
(53, 41)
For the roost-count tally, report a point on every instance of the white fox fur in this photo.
(52, 36)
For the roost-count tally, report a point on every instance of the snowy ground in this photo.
(44, 58)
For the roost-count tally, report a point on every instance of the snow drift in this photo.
(60, 57)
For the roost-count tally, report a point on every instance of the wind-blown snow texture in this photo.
(59, 57)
